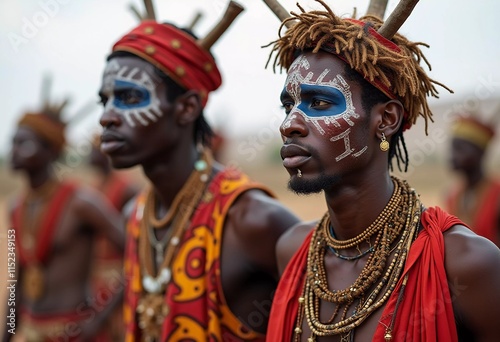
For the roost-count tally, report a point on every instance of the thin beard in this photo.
(314, 186)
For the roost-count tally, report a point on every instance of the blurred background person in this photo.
(475, 197)
(119, 189)
(55, 222)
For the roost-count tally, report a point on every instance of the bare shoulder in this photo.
(473, 271)
(291, 241)
(468, 254)
(255, 214)
(88, 198)
(93, 207)
(253, 225)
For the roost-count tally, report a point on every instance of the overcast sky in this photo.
(70, 39)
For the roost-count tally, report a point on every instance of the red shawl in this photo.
(424, 314)
(46, 226)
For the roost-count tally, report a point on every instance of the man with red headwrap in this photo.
(476, 199)
(55, 223)
(200, 263)
(379, 265)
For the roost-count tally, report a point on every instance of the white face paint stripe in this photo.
(293, 83)
(142, 115)
(348, 150)
(295, 79)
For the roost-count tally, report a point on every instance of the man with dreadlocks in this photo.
(55, 224)
(201, 239)
(379, 266)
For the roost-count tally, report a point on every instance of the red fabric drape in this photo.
(425, 313)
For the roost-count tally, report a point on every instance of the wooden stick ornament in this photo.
(387, 30)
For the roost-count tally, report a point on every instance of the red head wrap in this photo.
(376, 81)
(46, 127)
(174, 52)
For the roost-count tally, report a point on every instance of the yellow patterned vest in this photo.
(198, 310)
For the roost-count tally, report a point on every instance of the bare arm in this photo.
(290, 242)
(473, 269)
(258, 221)
(96, 211)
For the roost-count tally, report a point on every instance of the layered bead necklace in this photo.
(396, 226)
(152, 309)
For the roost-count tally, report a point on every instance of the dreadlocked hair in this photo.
(370, 96)
(398, 71)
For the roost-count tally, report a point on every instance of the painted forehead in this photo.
(131, 72)
(321, 84)
(132, 92)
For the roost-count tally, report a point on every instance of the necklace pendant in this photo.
(34, 282)
(155, 285)
(151, 315)
(151, 285)
(159, 254)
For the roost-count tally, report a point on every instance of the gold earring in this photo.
(384, 144)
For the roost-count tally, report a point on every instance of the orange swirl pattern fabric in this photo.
(198, 311)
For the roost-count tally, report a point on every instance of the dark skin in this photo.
(86, 214)
(471, 261)
(102, 164)
(467, 160)
(166, 147)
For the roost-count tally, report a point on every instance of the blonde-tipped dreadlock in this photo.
(361, 47)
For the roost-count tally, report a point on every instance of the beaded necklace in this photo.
(397, 224)
(152, 308)
(346, 257)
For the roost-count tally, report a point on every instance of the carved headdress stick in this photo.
(279, 10)
(397, 18)
(194, 21)
(377, 8)
(232, 11)
(387, 30)
(150, 11)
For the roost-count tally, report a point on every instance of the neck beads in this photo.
(393, 230)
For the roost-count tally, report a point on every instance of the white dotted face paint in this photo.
(132, 94)
(324, 101)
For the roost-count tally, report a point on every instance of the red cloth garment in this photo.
(425, 314)
(197, 307)
(48, 225)
(174, 52)
(484, 218)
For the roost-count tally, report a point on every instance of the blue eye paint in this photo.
(142, 93)
(336, 100)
